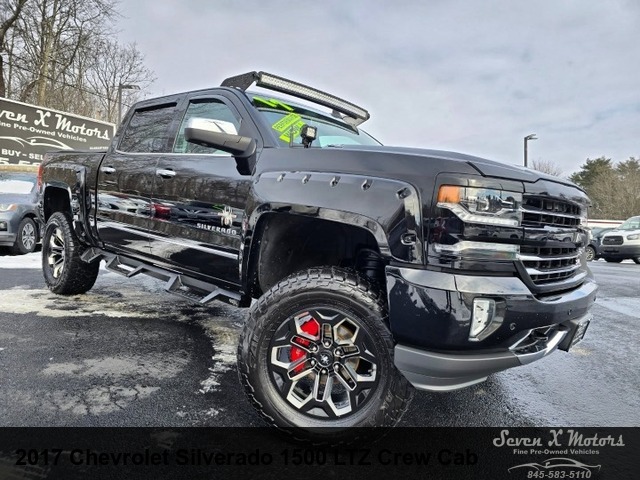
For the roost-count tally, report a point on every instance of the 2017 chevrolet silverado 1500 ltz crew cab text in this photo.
(367, 269)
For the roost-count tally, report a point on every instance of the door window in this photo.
(210, 109)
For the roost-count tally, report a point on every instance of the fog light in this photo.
(3, 226)
(484, 311)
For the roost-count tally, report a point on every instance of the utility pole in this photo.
(526, 149)
(120, 88)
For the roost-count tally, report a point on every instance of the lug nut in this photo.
(313, 362)
(327, 344)
(324, 370)
(338, 352)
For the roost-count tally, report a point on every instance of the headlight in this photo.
(482, 205)
(5, 207)
(635, 236)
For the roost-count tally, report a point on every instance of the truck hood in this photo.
(635, 231)
(485, 167)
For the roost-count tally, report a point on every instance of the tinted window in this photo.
(148, 130)
(210, 109)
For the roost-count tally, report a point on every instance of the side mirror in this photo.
(220, 135)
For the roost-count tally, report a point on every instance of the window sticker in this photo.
(270, 102)
(289, 125)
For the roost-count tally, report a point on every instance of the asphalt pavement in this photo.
(129, 354)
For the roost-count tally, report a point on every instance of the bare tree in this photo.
(53, 34)
(10, 11)
(61, 55)
(546, 166)
(117, 65)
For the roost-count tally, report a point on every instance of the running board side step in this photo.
(176, 282)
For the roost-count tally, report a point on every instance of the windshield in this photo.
(632, 223)
(17, 184)
(287, 119)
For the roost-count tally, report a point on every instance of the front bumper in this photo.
(430, 318)
(8, 229)
(620, 251)
(7, 239)
(441, 372)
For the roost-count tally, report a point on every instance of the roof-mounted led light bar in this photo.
(353, 114)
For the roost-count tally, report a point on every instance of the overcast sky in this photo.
(473, 76)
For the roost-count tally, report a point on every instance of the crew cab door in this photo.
(126, 178)
(199, 200)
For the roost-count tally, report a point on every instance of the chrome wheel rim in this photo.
(28, 235)
(56, 256)
(590, 254)
(323, 364)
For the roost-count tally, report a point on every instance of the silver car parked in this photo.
(19, 227)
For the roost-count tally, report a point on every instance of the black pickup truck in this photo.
(368, 269)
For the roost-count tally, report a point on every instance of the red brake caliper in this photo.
(310, 327)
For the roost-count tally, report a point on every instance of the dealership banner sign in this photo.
(498, 453)
(27, 132)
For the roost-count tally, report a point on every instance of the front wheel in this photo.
(64, 271)
(317, 352)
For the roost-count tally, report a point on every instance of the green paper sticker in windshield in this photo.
(289, 125)
(270, 102)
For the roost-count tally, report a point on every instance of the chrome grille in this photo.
(612, 240)
(554, 262)
(538, 212)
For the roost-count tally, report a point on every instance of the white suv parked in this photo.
(623, 242)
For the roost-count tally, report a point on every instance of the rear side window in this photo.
(148, 130)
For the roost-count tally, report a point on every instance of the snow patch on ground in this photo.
(224, 339)
(30, 260)
(46, 304)
(154, 365)
(629, 306)
(116, 296)
(95, 401)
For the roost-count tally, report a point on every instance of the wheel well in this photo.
(55, 200)
(291, 243)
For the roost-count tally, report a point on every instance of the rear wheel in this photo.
(591, 253)
(27, 237)
(316, 352)
(63, 269)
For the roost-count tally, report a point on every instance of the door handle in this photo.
(161, 172)
(108, 170)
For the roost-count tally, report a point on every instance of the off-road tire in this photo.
(27, 237)
(64, 271)
(591, 253)
(313, 289)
